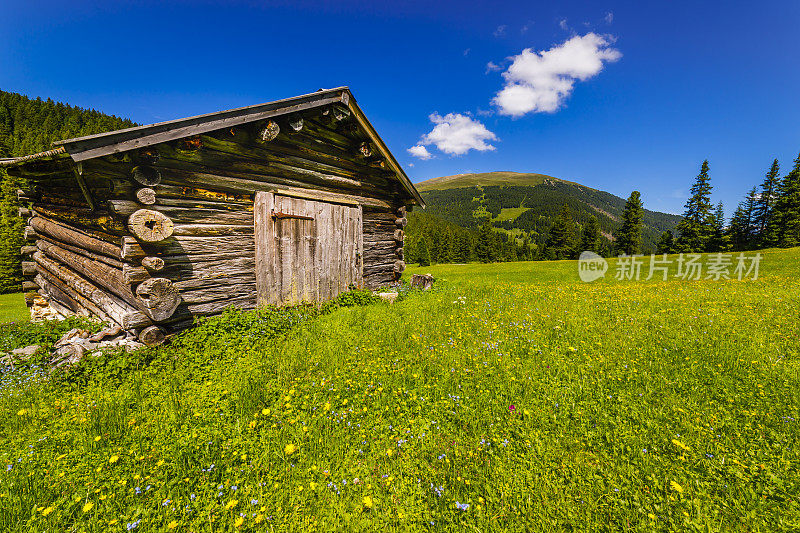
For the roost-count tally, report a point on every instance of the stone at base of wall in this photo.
(42, 310)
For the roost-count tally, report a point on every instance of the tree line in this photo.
(28, 126)
(768, 217)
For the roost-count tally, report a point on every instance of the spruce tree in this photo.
(783, 228)
(424, 254)
(697, 227)
(766, 201)
(666, 243)
(629, 235)
(721, 241)
(737, 229)
(561, 241)
(590, 236)
(483, 246)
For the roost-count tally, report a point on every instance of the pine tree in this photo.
(424, 254)
(590, 237)
(738, 228)
(629, 235)
(720, 241)
(697, 228)
(483, 246)
(783, 228)
(560, 242)
(666, 244)
(766, 201)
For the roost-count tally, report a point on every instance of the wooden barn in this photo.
(290, 201)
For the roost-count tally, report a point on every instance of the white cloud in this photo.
(609, 18)
(500, 31)
(456, 134)
(563, 25)
(539, 82)
(420, 152)
(491, 66)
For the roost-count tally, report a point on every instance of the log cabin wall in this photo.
(91, 224)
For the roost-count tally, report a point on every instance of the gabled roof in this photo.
(102, 144)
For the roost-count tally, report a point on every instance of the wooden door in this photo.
(306, 251)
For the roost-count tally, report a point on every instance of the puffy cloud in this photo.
(420, 152)
(455, 134)
(539, 82)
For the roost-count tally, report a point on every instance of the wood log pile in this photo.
(169, 230)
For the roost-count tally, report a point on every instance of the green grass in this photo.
(541, 402)
(13, 308)
(510, 213)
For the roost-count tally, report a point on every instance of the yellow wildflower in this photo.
(87, 507)
(265, 412)
(173, 524)
(679, 444)
(367, 501)
(290, 449)
(239, 521)
(231, 504)
(97, 438)
(113, 459)
(21, 412)
(676, 487)
(47, 511)
(259, 519)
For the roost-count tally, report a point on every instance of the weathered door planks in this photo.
(311, 258)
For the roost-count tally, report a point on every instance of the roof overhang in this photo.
(102, 144)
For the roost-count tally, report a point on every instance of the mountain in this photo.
(27, 126)
(521, 207)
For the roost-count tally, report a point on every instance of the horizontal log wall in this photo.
(383, 247)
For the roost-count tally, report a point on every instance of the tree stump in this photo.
(150, 226)
(422, 281)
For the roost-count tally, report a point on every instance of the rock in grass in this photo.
(25, 353)
(388, 296)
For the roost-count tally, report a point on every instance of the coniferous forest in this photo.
(28, 126)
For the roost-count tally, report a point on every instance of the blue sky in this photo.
(619, 95)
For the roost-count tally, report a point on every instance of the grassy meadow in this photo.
(511, 397)
(13, 308)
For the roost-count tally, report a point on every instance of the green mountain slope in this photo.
(522, 206)
(486, 178)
